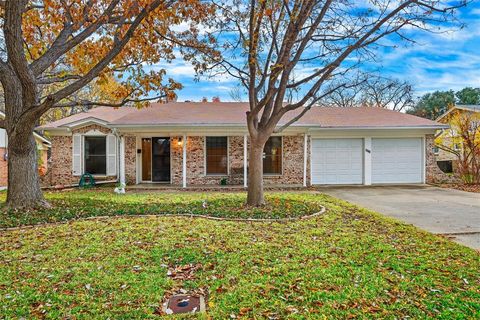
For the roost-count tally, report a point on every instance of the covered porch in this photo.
(169, 160)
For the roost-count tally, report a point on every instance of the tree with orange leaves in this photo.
(462, 139)
(291, 56)
(62, 46)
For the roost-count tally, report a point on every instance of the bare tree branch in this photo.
(87, 103)
(56, 79)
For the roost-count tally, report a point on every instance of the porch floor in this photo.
(159, 186)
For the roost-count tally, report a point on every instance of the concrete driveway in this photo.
(443, 211)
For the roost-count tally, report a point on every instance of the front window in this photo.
(216, 155)
(272, 156)
(96, 155)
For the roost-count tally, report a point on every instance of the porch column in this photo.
(367, 161)
(245, 161)
(305, 156)
(184, 162)
(122, 160)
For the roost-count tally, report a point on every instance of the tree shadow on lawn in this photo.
(95, 203)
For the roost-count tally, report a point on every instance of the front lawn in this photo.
(67, 205)
(346, 263)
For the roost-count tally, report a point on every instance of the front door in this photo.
(161, 159)
(146, 159)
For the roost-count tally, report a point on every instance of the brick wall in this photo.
(445, 155)
(433, 174)
(196, 162)
(130, 159)
(61, 161)
(176, 162)
(292, 166)
(60, 172)
(3, 168)
(292, 163)
(235, 154)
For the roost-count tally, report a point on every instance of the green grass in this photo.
(67, 205)
(346, 263)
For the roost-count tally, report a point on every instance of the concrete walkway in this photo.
(442, 211)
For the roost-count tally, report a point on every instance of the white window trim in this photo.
(80, 173)
(205, 174)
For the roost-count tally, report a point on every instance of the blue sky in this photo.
(437, 62)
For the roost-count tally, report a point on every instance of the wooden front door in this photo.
(146, 159)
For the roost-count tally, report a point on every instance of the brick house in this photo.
(43, 145)
(202, 143)
(446, 160)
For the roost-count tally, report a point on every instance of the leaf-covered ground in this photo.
(463, 187)
(67, 205)
(346, 263)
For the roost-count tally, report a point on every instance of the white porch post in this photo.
(367, 161)
(184, 162)
(245, 161)
(305, 156)
(122, 160)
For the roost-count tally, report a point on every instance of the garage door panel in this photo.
(337, 161)
(397, 160)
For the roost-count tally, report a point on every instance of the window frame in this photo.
(205, 173)
(281, 159)
(84, 165)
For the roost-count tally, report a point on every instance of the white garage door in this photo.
(337, 161)
(397, 160)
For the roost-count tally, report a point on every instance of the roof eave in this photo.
(311, 126)
(433, 127)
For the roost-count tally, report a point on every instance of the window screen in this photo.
(216, 155)
(446, 166)
(96, 155)
(272, 158)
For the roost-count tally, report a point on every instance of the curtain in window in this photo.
(272, 156)
(216, 155)
(96, 155)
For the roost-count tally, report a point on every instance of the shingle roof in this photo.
(467, 107)
(105, 114)
(233, 114)
(471, 107)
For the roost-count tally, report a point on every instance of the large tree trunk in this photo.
(255, 175)
(23, 179)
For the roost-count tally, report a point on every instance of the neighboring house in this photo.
(43, 146)
(449, 137)
(191, 144)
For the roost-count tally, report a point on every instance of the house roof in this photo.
(103, 115)
(233, 114)
(466, 107)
